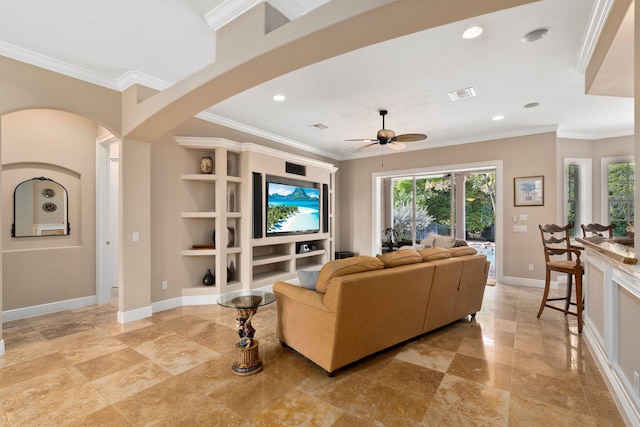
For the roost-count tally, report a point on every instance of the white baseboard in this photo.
(166, 304)
(628, 404)
(520, 281)
(199, 300)
(133, 315)
(54, 307)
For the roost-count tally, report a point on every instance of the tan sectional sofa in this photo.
(365, 304)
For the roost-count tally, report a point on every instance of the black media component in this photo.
(296, 169)
(325, 208)
(257, 205)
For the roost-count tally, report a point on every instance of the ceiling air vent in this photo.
(318, 126)
(462, 94)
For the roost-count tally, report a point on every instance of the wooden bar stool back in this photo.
(597, 230)
(561, 257)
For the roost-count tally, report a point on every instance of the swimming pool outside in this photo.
(488, 249)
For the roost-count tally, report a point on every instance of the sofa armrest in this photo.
(304, 323)
(300, 295)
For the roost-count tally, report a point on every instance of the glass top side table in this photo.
(246, 303)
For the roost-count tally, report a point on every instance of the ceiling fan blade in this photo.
(363, 140)
(366, 147)
(410, 137)
(397, 145)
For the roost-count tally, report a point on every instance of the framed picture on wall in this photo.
(528, 191)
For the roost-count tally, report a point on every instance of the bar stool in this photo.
(597, 230)
(556, 241)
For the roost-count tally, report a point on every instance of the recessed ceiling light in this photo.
(496, 118)
(472, 32)
(535, 35)
(532, 105)
(279, 98)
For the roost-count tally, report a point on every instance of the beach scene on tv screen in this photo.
(292, 208)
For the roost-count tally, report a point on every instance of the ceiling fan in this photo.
(389, 138)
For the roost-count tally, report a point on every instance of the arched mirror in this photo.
(40, 209)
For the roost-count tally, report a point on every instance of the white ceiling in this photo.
(119, 42)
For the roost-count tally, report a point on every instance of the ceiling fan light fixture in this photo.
(472, 32)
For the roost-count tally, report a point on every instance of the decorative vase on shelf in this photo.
(208, 279)
(231, 272)
(206, 165)
(232, 237)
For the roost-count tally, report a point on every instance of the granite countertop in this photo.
(620, 249)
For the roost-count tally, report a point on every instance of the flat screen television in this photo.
(292, 208)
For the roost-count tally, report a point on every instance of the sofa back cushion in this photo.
(398, 258)
(462, 251)
(432, 254)
(342, 267)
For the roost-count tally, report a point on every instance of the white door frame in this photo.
(104, 277)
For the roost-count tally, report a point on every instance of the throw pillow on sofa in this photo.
(434, 240)
(404, 257)
(308, 279)
(432, 254)
(342, 267)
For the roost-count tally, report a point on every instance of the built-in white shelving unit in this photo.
(224, 202)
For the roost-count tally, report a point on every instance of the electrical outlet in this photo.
(164, 284)
(636, 382)
(530, 267)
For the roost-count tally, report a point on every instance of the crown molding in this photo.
(204, 142)
(61, 67)
(458, 141)
(274, 152)
(131, 78)
(56, 65)
(228, 11)
(595, 136)
(599, 15)
(207, 142)
(213, 118)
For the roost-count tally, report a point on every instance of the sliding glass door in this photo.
(454, 204)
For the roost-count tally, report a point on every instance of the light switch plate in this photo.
(136, 236)
(520, 228)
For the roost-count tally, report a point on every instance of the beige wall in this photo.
(59, 146)
(27, 87)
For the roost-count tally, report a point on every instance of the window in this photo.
(620, 193)
(577, 204)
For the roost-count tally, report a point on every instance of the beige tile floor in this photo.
(505, 368)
